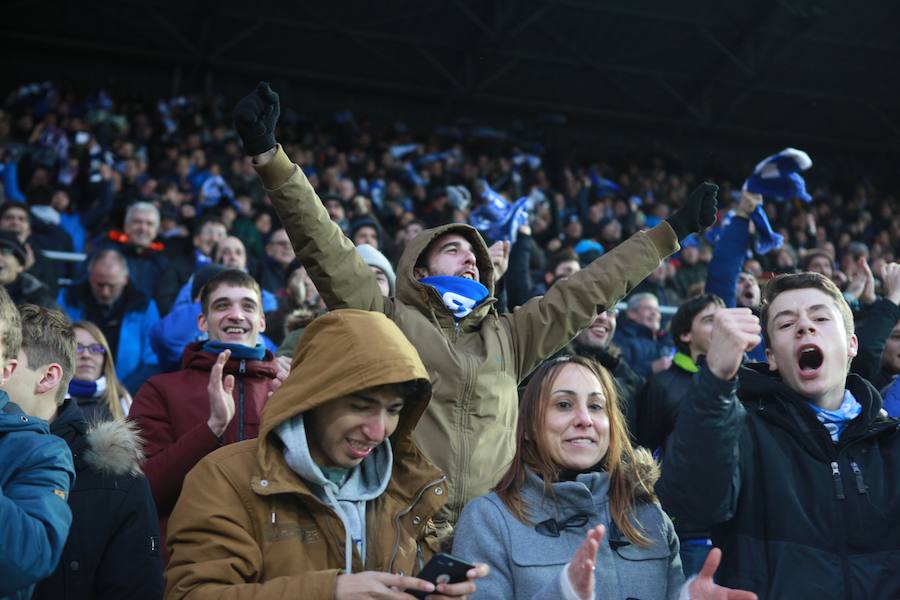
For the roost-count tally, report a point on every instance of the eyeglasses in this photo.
(92, 348)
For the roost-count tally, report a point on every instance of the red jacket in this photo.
(172, 409)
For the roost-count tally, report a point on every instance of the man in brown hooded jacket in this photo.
(334, 499)
(475, 356)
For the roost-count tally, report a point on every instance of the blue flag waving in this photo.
(497, 219)
(777, 176)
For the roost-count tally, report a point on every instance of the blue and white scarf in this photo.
(835, 421)
(459, 294)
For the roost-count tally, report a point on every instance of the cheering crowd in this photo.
(299, 359)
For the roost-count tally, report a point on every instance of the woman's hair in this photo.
(114, 388)
(625, 481)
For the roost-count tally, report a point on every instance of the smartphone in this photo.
(443, 568)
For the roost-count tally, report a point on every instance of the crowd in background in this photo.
(118, 214)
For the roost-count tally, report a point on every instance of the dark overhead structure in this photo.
(817, 72)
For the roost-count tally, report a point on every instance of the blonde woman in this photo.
(575, 516)
(96, 388)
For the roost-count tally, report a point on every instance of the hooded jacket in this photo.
(527, 565)
(248, 525)
(36, 474)
(113, 546)
(475, 364)
(796, 515)
(171, 411)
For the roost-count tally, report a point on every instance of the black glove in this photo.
(697, 213)
(255, 116)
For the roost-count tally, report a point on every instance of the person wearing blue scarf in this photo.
(444, 302)
(179, 417)
(792, 461)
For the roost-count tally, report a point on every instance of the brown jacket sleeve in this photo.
(543, 325)
(341, 276)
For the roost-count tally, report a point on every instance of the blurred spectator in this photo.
(122, 312)
(95, 386)
(279, 254)
(645, 347)
(148, 266)
(185, 257)
(23, 288)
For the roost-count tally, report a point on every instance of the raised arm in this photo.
(880, 320)
(730, 251)
(340, 275)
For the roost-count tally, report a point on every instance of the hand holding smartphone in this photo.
(443, 568)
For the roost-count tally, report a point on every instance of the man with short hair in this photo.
(333, 501)
(645, 346)
(148, 265)
(179, 422)
(113, 543)
(123, 313)
(791, 463)
(445, 305)
(36, 474)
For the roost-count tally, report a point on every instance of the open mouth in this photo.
(359, 449)
(809, 360)
(468, 275)
(235, 331)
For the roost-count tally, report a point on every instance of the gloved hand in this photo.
(255, 116)
(697, 213)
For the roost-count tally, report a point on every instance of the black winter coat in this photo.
(113, 545)
(797, 516)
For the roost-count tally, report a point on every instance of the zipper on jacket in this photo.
(861, 487)
(242, 368)
(403, 513)
(836, 478)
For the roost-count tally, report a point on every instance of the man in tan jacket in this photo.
(333, 500)
(444, 304)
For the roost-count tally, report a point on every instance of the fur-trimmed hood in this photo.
(643, 473)
(115, 448)
(107, 447)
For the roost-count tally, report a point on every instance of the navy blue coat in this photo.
(113, 545)
(796, 515)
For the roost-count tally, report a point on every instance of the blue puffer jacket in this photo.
(135, 358)
(36, 474)
(640, 346)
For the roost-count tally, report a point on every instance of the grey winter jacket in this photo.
(526, 565)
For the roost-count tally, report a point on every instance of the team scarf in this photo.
(87, 389)
(835, 421)
(460, 295)
(238, 351)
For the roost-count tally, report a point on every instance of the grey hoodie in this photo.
(365, 482)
